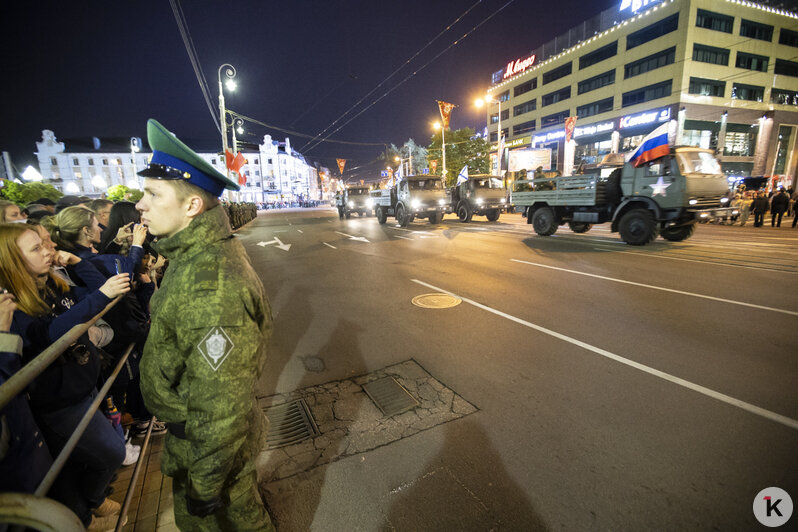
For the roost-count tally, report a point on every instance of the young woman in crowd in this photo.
(47, 308)
(10, 212)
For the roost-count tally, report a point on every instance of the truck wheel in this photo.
(492, 215)
(637, 227)
(677, 234)
(543, 221)
(381, 216)
(464, 212)
(435, 217)
(348, 215)
(579, 227)
(401, 216)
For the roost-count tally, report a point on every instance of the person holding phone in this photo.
(47, 308)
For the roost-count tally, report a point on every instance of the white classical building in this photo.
(274, 173)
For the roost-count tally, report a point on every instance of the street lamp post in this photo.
(230, 73)
(443, 149)
(485, 101)
(134, 149)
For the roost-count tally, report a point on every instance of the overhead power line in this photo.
(447, 28)
(182, 25)
(396, 86)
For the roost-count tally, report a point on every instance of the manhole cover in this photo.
(436, 301)
(390, 396)
(290, 423)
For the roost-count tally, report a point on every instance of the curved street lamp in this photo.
(230, 74)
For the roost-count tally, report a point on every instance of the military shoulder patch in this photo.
(206, 278)
(215, 347)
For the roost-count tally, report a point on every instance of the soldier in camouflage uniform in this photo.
(206, 347)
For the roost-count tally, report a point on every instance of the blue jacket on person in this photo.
(73, 376)
(24, 456)
(106, 263)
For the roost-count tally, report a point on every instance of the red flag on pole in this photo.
(238, 162)
(228, 157)
(341, 164)
(570, 123)
(446, 111)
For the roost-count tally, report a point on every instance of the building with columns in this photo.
(274, 172)
(725, 70)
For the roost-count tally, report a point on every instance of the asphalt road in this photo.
(617, 387)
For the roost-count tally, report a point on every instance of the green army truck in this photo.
(666, 196)
(483, 195)
(413, 197)
(356, 199)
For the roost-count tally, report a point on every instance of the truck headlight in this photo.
(441, 202)
(369, 203)
(480, 201)
(724, 200)
(415, 204)
(351, 204)
(503, 200)
(693, 201)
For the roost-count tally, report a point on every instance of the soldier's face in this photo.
(161, 211)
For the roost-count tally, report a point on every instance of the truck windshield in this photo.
(425, 184)
(358, 191)
(697, 162)
(490, 182)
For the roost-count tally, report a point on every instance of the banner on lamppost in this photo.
(570, 123)
(433, 165)
(341, 164)
(446, 111)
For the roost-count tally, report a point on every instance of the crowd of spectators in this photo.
(779, 203)
(60, 264)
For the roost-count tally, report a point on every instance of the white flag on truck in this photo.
(462, 177)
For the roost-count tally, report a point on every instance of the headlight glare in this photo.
(415, 204)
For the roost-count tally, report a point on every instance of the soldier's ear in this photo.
(194, 206)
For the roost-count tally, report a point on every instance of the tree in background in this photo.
(388, 157)
(463, 147)
(123, 193)
(24, 193)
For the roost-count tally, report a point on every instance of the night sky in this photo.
(102, 68)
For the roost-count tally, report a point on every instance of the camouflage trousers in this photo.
(242, 508)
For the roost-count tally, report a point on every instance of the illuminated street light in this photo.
(98, 182)
(231, 83)
(438, 125)
(230, 72)
(31, 174)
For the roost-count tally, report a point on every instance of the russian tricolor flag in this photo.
(654, 145)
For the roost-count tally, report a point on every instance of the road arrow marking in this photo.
(362, 239)
(284, 247)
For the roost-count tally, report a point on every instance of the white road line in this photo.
(778, 418)
(300, 230)
(400, 228)
(722, 300)
(329, 245)
(695, 260)
(405, 237)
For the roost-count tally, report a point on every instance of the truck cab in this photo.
(413, 197)
(356, 199)
(483, 195)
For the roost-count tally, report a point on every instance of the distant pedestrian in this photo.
(778, 205)
(759, 207)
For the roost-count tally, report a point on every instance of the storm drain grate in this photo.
(290, 423)
(390, 396)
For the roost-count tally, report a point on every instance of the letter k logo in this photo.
(772, 507)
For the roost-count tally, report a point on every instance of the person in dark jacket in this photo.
(759, 207)
(778, 205)
(24, 456)
(46, 309)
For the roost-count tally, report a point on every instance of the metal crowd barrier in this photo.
(37, 510)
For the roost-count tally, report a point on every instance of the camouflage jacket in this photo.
(207, 346)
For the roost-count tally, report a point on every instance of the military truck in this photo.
(356, 199)
(413, 197)
(666, 196)
(483, 195)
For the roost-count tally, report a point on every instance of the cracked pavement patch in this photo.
(350, 423)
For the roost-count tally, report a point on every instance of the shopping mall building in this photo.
(725, 70)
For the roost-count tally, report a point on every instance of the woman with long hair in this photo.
(10, 212)
(47, 308)
(117, 234)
